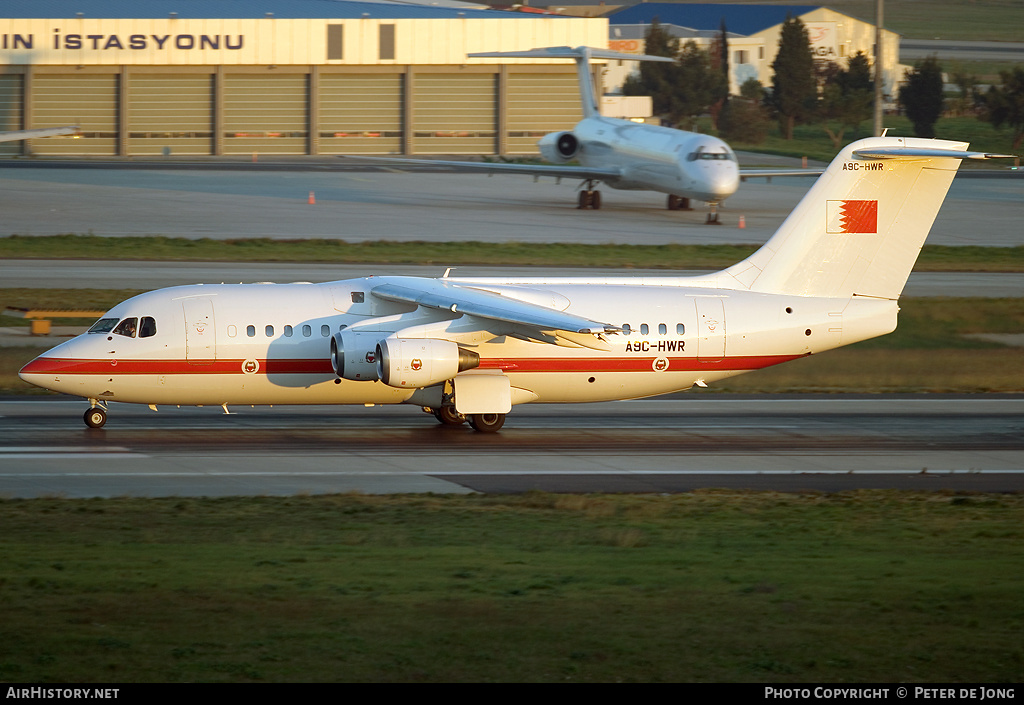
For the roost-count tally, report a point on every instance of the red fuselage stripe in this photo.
(69, 366)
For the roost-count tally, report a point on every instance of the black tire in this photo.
(95, 417)
(486, 423)
(584, 200)
(449, 416)
(674, 202)
(595, 200)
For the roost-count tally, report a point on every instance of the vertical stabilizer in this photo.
(859, 229)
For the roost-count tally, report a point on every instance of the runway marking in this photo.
(39, 452)
(477, 473)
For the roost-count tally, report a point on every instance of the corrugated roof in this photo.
(742, 19)
(239, 9)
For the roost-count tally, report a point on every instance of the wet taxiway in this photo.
(816, 443)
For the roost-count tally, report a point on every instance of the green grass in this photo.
(812, 142)
(933, 258)
(708, 586)
(929, 352)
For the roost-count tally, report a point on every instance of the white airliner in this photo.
(473, 348)
(40, 132)
(624, 154)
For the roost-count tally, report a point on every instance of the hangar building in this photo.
(222, 77)
(753, 34)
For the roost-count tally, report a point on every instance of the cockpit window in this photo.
(709, 156)
(148, 327)
(104, 325)
(127, 327)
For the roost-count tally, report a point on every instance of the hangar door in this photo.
(539, 103)
(360, 113)
(455, 113)
(267, 114)
(170, 111)
(10, 111)
(87, 100)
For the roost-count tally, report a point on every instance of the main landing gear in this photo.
(678, 203)
(589, 197)
(95, 417)
(448, 416)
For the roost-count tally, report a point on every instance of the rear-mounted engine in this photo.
(559, 147)
(420, 362)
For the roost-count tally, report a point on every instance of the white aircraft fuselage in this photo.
(653, 158)
(271, 343)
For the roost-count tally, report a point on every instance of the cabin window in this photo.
(325, 330)
(148, 327)
(269, 330)
(662, 329)
(287, 331)
(250, 331)
(104, 325)
(306, 331)
(644, 329)
(127, 327)
(680, 329)
(232, 331)
(626, 330)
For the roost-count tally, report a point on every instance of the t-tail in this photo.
(860, 228)
(582, 57)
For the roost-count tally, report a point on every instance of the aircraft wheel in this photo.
(486, 423)
(673, 202)
(584, 200)
(95, 417)
(449, 416)
(595, 200)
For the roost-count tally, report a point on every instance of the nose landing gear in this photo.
(95, 416)
(713, 214)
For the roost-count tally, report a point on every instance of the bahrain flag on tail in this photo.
(851, 216)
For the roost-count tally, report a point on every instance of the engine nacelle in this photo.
(559, 147)
(354, 355)
(409, 363)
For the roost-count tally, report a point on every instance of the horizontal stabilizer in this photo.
(923, 153)
(567, 53)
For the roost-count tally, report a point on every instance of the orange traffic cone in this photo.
(312, 199)
(743, 222)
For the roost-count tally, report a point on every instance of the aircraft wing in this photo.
(41, 132)
(568, 172)
(768, 173)
(465, 300)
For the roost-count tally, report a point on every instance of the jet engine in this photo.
(559, 147)
(409, 363)
(354, 355)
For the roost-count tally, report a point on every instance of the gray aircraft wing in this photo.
(41, 132)
(768, 173)
(485, 311)
(568, 172)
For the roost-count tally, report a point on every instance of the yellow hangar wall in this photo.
(287, 86)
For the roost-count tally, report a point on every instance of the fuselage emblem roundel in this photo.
(250, 367)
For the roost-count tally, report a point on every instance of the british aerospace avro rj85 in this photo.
(623, 154)
(474, 348)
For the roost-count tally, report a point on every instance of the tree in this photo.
(794, 90)
(748, 121)
(1005, 105)
(655, 78)
(847, 97)
(681, 90)
(719, 54)
(921, 96)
